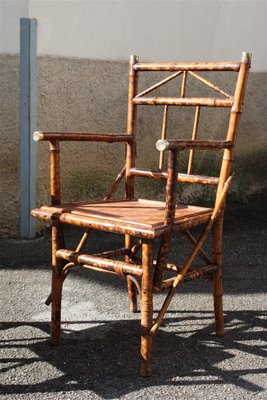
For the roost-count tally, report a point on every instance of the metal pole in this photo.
(28, 53)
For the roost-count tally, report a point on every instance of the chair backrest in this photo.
(222, 100)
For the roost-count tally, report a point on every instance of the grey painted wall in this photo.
(156, 30)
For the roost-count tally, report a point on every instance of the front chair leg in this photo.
(217, 276)
(57, 283)
(146, 308)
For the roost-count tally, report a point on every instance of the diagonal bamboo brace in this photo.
(201, 253)
(78, 249)
(190, 259)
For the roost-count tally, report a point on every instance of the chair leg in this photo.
(57, 283)
(217, 276)
(132, 295)
(146, 308)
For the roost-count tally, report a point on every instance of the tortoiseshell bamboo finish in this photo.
(143, 221)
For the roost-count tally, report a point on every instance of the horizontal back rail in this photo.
(199, 66)
(180, 101)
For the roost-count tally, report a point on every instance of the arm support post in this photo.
(55, 173)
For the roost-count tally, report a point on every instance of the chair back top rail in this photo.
(194, 66)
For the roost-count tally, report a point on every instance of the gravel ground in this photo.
(98, 357)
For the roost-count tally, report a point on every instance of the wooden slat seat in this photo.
(144, 217)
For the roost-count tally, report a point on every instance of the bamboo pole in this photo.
(131, 122)
(183, 86)
(163, 136)
(180, 144)
(130, 163)
(178, 101)
(146, 308)
(194, 137)
(162, 259)
(211, 85)
(199, 179)
(83, 240)
(236, 111)
(135, 282)
(191, 257)
(197, 66)
(78, 249)
(217, 276)
(57, 282)
(55, 173)
(201, 253)
(191, 275)
(157, 85)
(113, 253)
(169, 217)
(119, 267)
(171, 188)
(136, 247)
(39, 136)
(115, 184)
(131, 287)
(107, 225)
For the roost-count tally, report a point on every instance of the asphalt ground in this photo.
(99, 354)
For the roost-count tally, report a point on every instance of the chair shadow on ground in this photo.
(104, 358)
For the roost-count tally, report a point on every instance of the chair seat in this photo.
(138, 217)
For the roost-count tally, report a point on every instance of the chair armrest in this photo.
(173, 144)
(82, 136)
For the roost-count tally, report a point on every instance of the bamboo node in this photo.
(246, 57)
(38, 136)
(162, 145)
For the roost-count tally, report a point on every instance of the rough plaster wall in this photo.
(77, 94)
(81, 95)
(9, 145)
(91, 95)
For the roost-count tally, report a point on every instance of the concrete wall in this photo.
(9, 145)
(188, 30)
(100, 104)
(82, 92)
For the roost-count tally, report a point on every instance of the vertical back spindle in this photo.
(163, 136)
(194, 136)
(131, 122)
(183, 86)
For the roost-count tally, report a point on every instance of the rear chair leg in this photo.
(57, 283)
(146, 308)
(132, 295)
(217, 276)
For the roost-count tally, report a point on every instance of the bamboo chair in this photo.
(144, 221)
